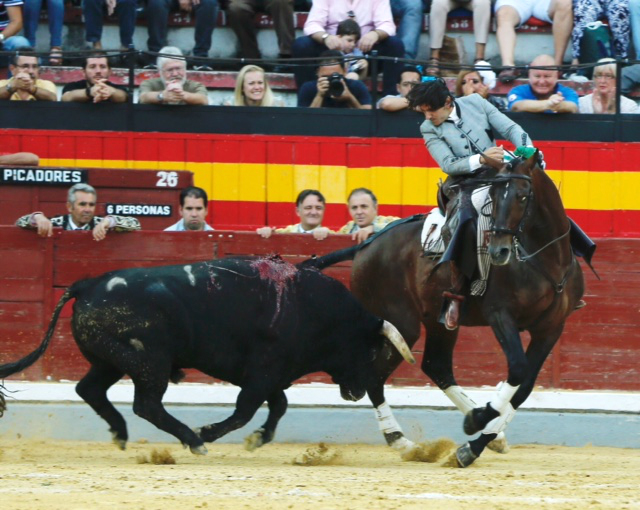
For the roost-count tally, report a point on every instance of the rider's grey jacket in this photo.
(452, 143)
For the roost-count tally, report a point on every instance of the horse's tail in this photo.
(17, 366)
(331, 258)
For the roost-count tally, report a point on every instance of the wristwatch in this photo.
(160, 97)
(1, 39)
(324, 36)
(9, 87)
(88, 92)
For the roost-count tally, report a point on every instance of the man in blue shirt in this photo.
(543, 94)
(332, 89)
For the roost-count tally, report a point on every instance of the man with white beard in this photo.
(172, 87)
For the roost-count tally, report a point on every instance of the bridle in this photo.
(520, 252)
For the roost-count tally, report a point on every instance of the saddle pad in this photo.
(431, 237)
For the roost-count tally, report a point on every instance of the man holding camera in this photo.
(332, 89)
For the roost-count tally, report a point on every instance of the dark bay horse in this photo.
(534, 284)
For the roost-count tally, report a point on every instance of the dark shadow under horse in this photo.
(535, 283)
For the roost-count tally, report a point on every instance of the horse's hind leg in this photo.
(92, 388)
(277, 407)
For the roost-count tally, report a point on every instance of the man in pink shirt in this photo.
(378, 33)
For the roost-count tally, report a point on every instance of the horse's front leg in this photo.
(496, 415)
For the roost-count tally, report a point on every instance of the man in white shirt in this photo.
(193, 209)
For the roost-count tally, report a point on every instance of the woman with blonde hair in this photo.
(603, 98)
(252, 89)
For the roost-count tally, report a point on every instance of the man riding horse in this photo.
(459, 135)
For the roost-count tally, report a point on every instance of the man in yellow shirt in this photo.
(25, 84)
(363, 208)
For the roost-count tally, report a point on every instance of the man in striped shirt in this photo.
(10, 25)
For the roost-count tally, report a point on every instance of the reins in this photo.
(519, 250)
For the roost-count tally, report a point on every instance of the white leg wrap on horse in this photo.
(503, 396)
(500, 423)
(461, 400)
(386, 421)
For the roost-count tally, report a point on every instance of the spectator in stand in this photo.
(378, 33)
(410, 14)
(438, 22)
(19, 159)
(603, 98)
(81, 204)
(10, 26)
(252, 89)
(94, 12)
(242, 15)
(510, 14)
(543, 93)
(172, 87)
(310, 206)
(363, 208)
(55, 13)
(588, 11)
(471, 81)
(25, 84)
(349, 34)
(409, 78)
(634, 16)
(206, 15)
(331, 89)
(193, 209)
(96, 87)
(630, 78)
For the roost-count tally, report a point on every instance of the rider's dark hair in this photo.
(305, 193)
(433, 93)
(366, 191)
(193, 192)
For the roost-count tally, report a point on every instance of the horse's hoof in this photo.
(499, 444)
(199, 450)
(465, 456)
(253, 441)
(469, 424)
(118, 441)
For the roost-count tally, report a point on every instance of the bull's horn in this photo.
(394, 336)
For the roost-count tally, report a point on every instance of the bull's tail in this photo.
(17, 366)
(330, 258)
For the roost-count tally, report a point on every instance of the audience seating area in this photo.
(459, 20)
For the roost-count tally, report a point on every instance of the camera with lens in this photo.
(336, 85)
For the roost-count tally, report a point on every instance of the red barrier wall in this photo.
(600, 348)
(252, 180)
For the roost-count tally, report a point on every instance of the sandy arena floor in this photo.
(39, 475)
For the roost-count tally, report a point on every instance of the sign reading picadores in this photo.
(46, 176)
(139, 209)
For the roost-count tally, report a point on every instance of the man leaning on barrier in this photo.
(25, 83)
(81, 204)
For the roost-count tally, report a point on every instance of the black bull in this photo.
(259, 324)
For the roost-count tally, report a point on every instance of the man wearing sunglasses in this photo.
(25, 84)
(81, 204)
